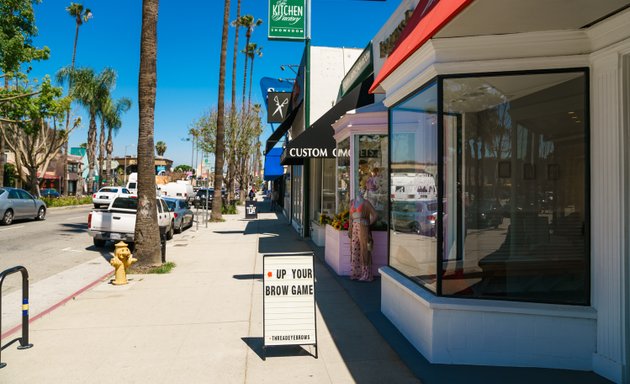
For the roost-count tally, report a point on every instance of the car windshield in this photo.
(112, 190)
(1, 191)
(131, 185)
(125, 203)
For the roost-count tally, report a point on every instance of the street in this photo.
(47, 247)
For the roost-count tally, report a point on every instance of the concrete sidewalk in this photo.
(203, 323)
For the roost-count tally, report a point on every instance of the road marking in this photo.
(10, 228)
(69, 249)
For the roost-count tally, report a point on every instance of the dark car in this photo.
(484, 214)
(200, 199)
(16, 203)
(49, 192)
(414, 216)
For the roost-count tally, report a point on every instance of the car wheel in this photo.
(41, 213)
(415, 228)
(7, 219)
(99, 242)
(179, 228)
(169, 234)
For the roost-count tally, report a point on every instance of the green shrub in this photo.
(65, 201)
(229, 210)
(164, 268)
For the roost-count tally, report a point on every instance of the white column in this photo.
(608, 222)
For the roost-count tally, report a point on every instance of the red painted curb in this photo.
(59, 304)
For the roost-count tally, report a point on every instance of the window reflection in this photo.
(518, 144)
(371, 156)
(413, 194)
(343, 176)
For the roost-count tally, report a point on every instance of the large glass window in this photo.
(413, 194)
(370, 156)
(343, 176)
(513, 187)
(328, 186)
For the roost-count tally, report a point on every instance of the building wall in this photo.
(588, 338)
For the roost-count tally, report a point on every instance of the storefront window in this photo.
(297, 188)
(370, 156)
(512, 187)
(413, 192)
(343, 176)
(519, 146)
(328, 186)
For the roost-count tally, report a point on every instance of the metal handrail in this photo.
(24, 344)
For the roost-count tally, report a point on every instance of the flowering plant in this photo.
(324, 219)
(341, 221)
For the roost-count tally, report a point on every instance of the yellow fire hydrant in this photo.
(121, 261)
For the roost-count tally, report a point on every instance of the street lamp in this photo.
(128, 145)
(290, 66)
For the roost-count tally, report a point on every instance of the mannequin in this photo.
(362, 215)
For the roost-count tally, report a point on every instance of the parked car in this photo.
(16, 203)
(183, 216)
(118, 221)
(414, 216)
(200, 197)
(49, 192)
(105, 195)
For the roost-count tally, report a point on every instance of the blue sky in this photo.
(189, 43)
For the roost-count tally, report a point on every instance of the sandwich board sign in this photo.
(289, 300)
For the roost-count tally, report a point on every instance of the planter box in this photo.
(318, 234)
(337, 253)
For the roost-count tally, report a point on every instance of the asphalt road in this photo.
(46, 247)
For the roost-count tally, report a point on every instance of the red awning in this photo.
(422, 26)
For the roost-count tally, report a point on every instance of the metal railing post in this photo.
(24, 342)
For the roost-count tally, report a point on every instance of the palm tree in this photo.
(81, 15)
(249, 24)
(160, 148)
(90, 90)
(147, 234)
(252, 51)
(217, 203)
(112, 112)
(232, 139)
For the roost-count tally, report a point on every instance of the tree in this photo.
(232, 135)
(249, 24)
(90, 90)
(217, 201)
(17, 30)
(147, 233)
(113, 111)
(183, 168)
(251, 51)
(80, 15)
(30, 129)
(160, 148)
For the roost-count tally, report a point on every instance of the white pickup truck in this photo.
(118, 221)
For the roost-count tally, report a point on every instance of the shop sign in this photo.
(250, 210)
(287, 19)
(289, 299)
(387, 45)
(310, 153)
(277, 106)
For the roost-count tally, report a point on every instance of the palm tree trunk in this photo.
(251, 76)
(66, 173)
(109, 148)
(247, 37)
(91, 152)
(101, 154)
(232, 159)
(6, 87)
(217, 201)
(147, 235)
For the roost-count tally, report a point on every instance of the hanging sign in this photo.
(277, 106)
(287, 19)
(289, 299)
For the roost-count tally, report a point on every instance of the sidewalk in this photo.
(202, 323)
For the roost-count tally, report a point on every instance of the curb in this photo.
(59, 304)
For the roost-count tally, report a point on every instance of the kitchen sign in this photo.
(289, 300)
(287, 19)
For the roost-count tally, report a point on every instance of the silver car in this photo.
(183, 216)
(16, 203)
